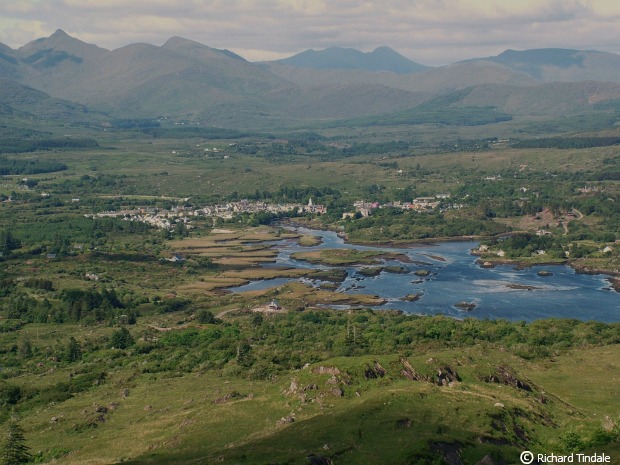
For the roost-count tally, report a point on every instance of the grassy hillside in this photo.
(423, 404)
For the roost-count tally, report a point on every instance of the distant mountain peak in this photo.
(57, 49)
(59, 33)
(58, 39)
(175, 41)
(381, 59)
(192, 48)
(385, 49)
(558, 64)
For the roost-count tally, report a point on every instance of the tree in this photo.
(25, 348)
(122, 339)
(74, 351)
(15, 451)
(8, 242)
(244, 355)
(256, 319)
(205, 317)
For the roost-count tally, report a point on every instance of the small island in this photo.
(544, 273)
(422, 273)
(467, 306)
(343, 257)
(310, 241)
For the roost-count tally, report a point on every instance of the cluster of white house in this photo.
(230, 209)
(166, 219)
(419, 204)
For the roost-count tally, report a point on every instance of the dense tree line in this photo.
(194, 131)
(566, 142)
(24, 145)
(395, 223)
(12, 166)
(134, 123)
(61, 231)
(70, 306)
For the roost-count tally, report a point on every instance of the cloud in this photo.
(429, 31)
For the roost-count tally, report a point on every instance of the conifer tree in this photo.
(74, 351)
(14, 450)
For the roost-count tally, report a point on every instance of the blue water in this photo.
(458, 278)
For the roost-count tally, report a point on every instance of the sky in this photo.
(431, 32)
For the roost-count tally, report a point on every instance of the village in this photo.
(419, 204)
(166, 219)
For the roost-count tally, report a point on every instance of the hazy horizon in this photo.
(433, 33)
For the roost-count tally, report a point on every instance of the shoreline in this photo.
(613, 276)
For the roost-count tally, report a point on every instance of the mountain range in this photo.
(183, 79)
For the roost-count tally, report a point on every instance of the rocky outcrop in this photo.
(403, 423)
(286, 420)
(488, 460)
(326, 371)
(229, 397)
(446, 375)
(374, 372)
(467, 306)
(319, 460)
(505, 375)
(293, 388)
(451, 452)
(333, 380)
(411, 297)
(411, 373)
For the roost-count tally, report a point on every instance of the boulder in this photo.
(488, 460)
(319, 460)
(326, 371)
(333, 380)
(228, 397)
(447, 375)
(285, 420)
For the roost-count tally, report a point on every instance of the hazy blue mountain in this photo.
(189, 80)
(57, 49)
(557, 64)
(197, 50)
(20, 101)
(144, 80)
(381, 59)
(8, 63)
(7, 54)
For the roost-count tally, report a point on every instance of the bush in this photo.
(121, 339)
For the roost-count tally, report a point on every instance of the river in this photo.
(500, 292)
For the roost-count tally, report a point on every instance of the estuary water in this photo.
(455, 277)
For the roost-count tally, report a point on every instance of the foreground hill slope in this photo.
(454, 407)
